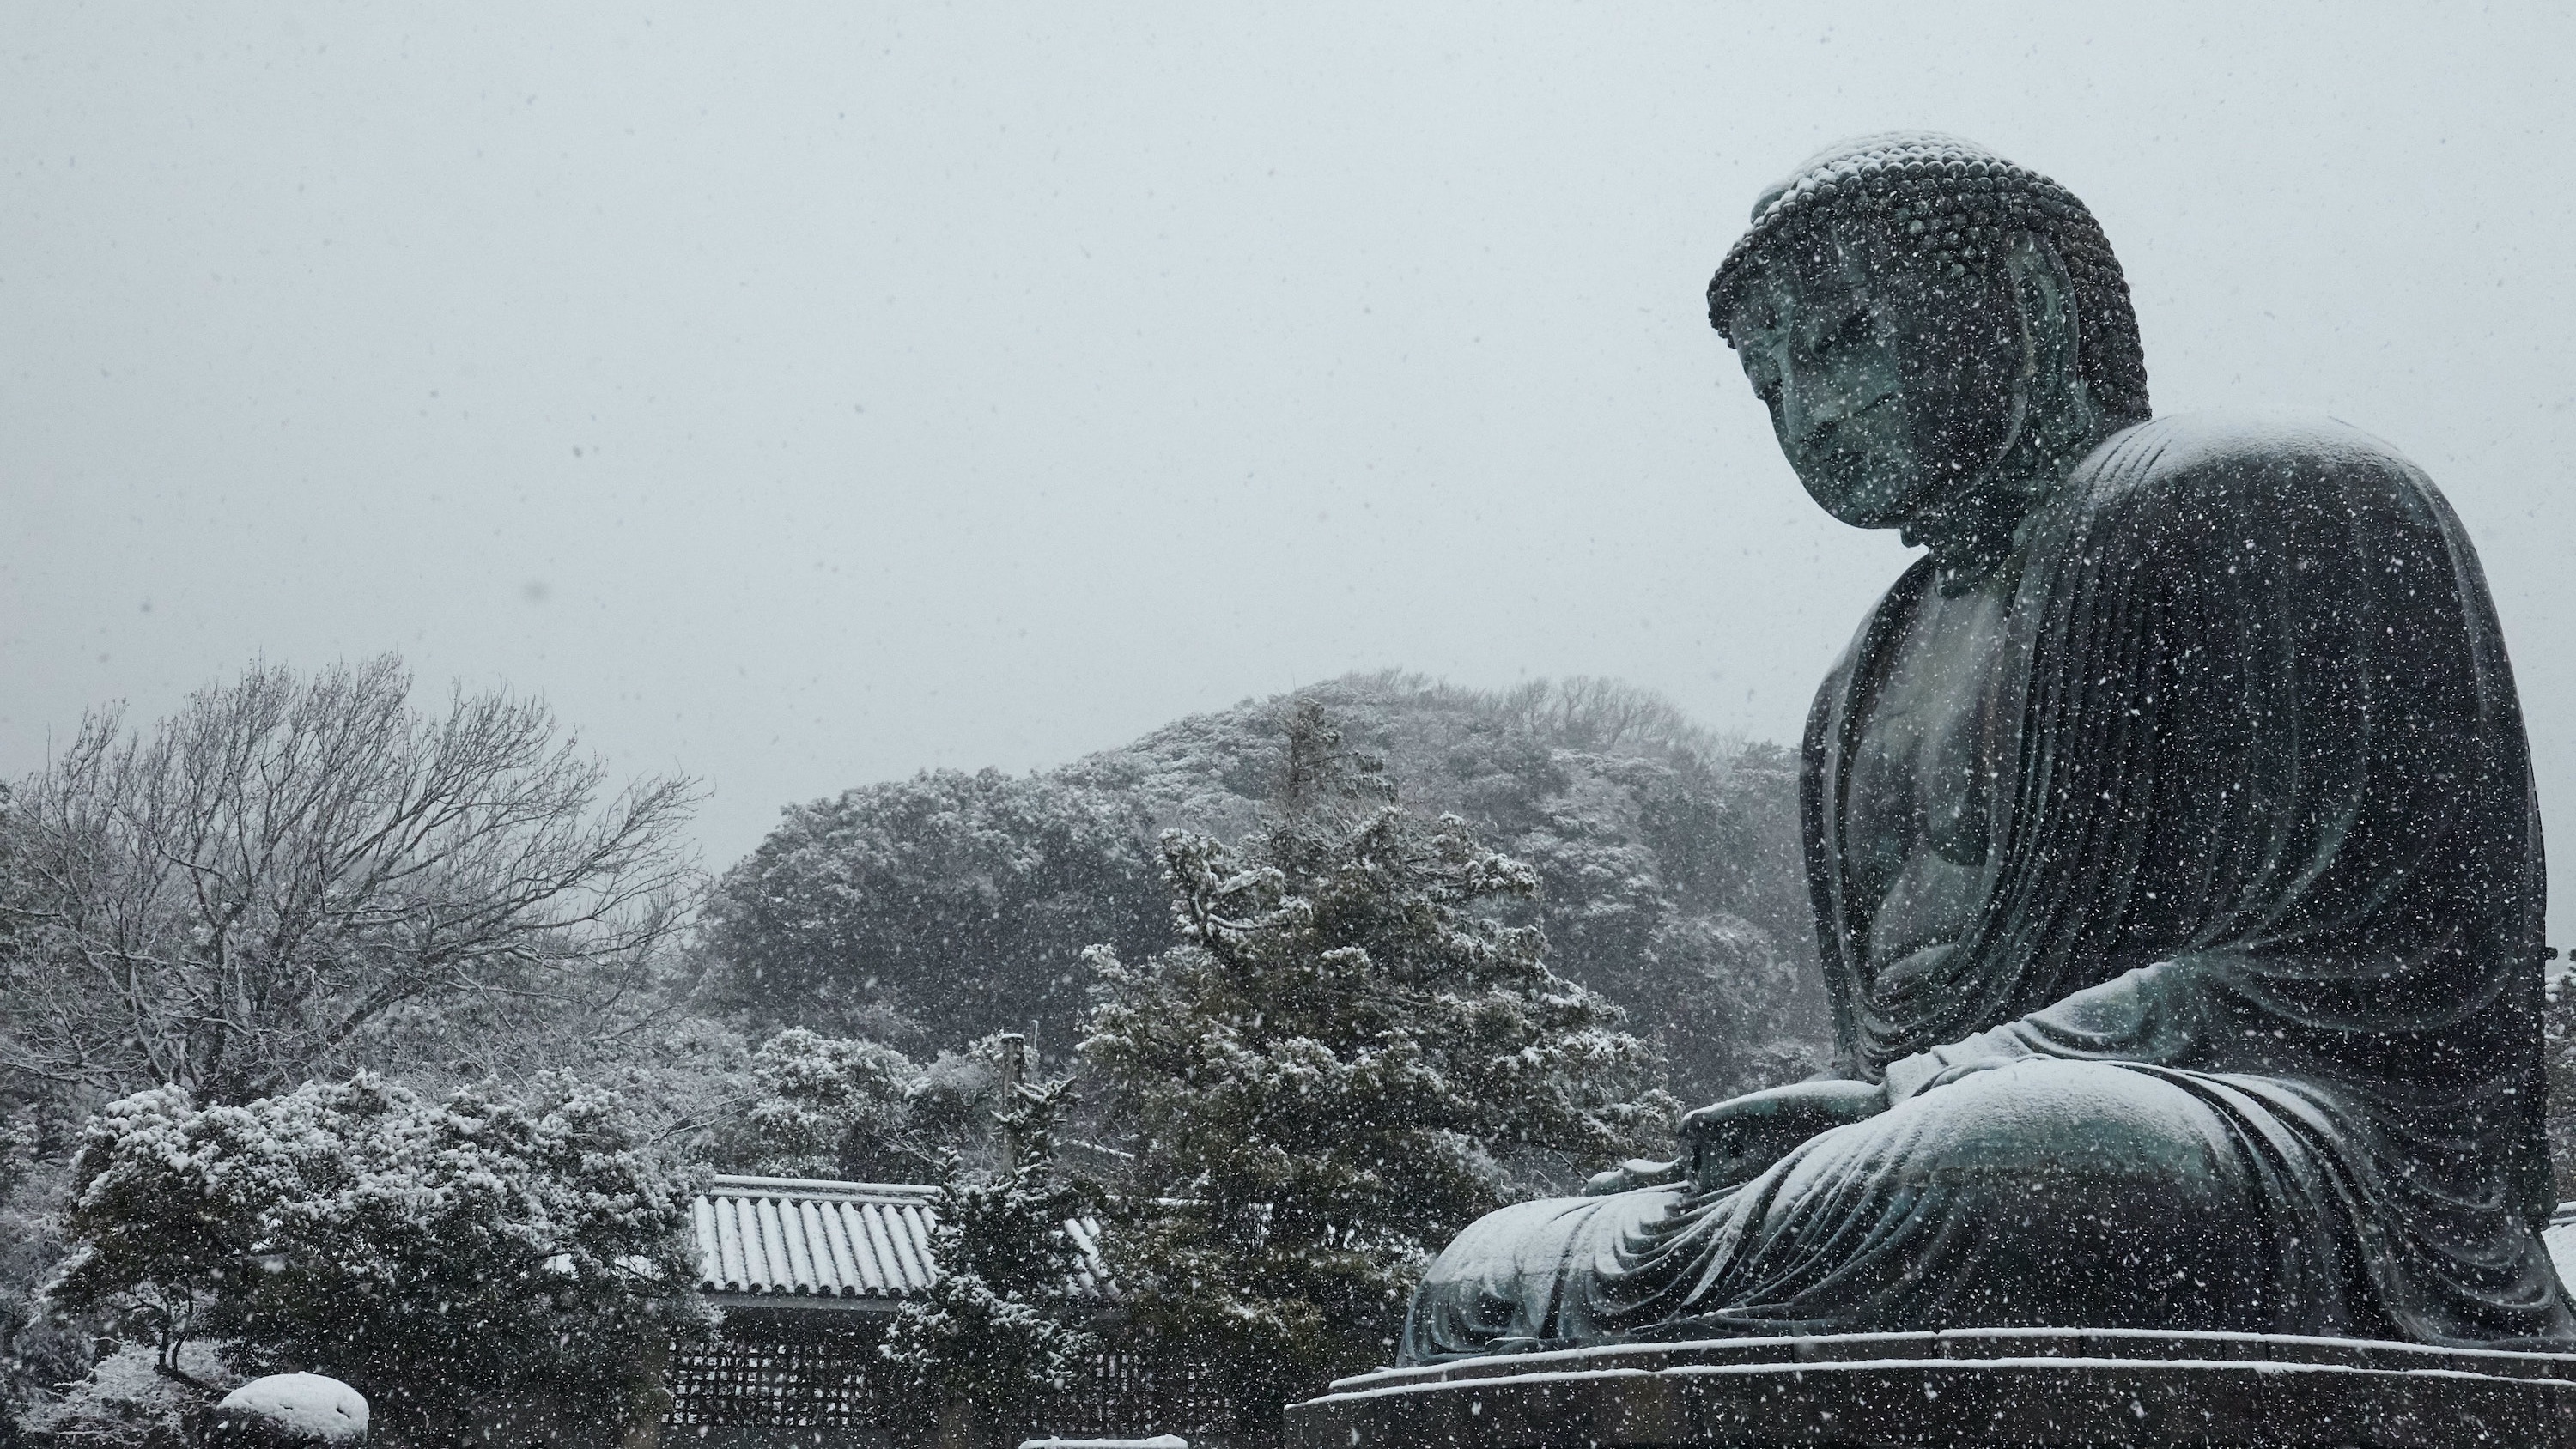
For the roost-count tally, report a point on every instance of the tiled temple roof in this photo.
(818, 1243)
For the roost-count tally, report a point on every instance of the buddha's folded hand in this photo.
(1734, 1140)
(1635, 1173)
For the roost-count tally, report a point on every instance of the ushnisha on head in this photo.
(1938, 333)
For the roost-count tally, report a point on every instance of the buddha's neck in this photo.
(1978, 526)
(1976, 530)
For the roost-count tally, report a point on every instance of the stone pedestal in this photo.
(1963, 1387)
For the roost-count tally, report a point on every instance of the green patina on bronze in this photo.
(2171, 836)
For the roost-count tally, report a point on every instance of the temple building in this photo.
(808, 1273)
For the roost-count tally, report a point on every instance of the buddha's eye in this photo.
(1853, 331)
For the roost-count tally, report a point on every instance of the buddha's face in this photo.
(1888, 395)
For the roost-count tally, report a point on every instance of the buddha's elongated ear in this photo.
(2060, 403)
(2045, 297)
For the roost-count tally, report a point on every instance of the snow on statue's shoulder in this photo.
(292, 1409)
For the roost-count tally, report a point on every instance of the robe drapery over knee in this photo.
(2263, 889)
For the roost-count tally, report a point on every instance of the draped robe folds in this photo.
(2246, 1032)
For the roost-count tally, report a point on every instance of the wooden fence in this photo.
(832, 1389)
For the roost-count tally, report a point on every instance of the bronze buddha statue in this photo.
(2171, 836)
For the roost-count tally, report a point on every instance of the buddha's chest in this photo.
(1918, 799)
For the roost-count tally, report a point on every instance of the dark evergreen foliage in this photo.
(931, 911)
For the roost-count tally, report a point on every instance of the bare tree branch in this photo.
(228, 901)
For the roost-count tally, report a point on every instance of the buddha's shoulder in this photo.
(2239, 462)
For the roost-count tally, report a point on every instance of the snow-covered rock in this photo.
(292, 1409)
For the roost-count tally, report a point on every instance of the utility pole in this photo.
(1015, 1070)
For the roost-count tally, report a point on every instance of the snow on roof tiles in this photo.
(864, 1243)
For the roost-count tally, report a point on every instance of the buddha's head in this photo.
(1938, 333)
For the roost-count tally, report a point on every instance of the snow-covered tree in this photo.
(1005, 1326)
(450, 1259)
(1348, 1058)
(952, 904)
(831, 1107)
(236, 899)
(821, 1106)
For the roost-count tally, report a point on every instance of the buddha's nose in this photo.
(1809, 408)
(1814, 407)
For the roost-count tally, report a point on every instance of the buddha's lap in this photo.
(2037, 1127)
(2049, 1163)
(2038, 1173)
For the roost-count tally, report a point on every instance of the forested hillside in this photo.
(930, 911)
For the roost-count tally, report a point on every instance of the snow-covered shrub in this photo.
(289, 1411)
(2558, 1058)
(447, 1258)
(952, 1104)
(37, 1350)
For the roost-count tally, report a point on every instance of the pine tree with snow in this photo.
(1004, 1328)
(1352, 1055)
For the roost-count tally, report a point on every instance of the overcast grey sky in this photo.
(800, 396)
